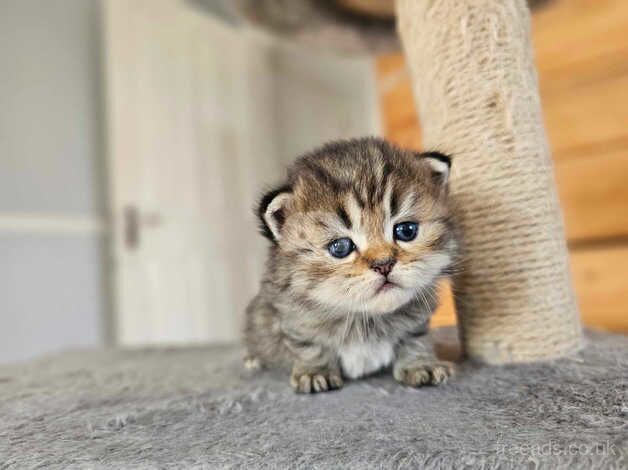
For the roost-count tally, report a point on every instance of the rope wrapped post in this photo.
(477, 95)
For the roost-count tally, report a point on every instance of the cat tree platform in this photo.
(197, 408)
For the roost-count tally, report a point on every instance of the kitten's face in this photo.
(362, 227)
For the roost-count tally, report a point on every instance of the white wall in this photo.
(51, 177)
(322, 97)
(53, 276)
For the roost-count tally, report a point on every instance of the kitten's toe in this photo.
(319, 383)
(316, 382)
(441, 372)
(335, 381)
(252, 364)
(420, 374)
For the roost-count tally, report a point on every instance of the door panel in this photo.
(175, 106)
(202, 118)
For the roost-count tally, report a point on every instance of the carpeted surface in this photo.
(196, 408)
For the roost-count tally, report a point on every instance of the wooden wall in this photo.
(582, 59)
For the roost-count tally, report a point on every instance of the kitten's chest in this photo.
(360, 358)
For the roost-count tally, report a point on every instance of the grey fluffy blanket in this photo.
(197, 408)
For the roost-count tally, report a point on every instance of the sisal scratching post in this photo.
(476, 90)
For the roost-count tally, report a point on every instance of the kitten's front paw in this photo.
(315, 382)
(252, 364)
(418, 374)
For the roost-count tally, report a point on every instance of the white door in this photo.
(201, 117)
(179, 109)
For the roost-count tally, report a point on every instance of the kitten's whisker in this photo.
(430, 291)
(419, 296)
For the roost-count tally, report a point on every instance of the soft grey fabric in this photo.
(196, 407)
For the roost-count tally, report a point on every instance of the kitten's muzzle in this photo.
(383, 266)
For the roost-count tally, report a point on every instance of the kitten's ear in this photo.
(272, 212)
(440, 165)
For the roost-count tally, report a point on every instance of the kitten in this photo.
(361, 233)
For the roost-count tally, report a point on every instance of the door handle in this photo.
(134, 221)
(131, 227)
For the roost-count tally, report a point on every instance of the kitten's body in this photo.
(331, 318)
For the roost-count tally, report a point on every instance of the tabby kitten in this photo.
(361, 233)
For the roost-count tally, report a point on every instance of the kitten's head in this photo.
(361, 226)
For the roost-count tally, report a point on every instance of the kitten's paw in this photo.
(252, 364)
(316, 382)
(418, 374)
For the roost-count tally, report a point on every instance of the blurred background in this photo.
(136, 135)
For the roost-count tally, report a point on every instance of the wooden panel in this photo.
(601, 282)
(587, 116)
(582, 59)
(446, 313)
(580, 41)
(399, 117)
(594, 195)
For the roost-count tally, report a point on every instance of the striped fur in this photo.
(312, 306)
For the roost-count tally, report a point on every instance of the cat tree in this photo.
(194, 408)
(476, 92)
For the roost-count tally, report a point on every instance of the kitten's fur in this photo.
(324, 316)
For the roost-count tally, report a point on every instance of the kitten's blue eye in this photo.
(406, 231)
(341, 247)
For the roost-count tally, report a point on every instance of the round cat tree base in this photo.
(197, 408)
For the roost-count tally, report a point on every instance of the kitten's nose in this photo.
(383, 266)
